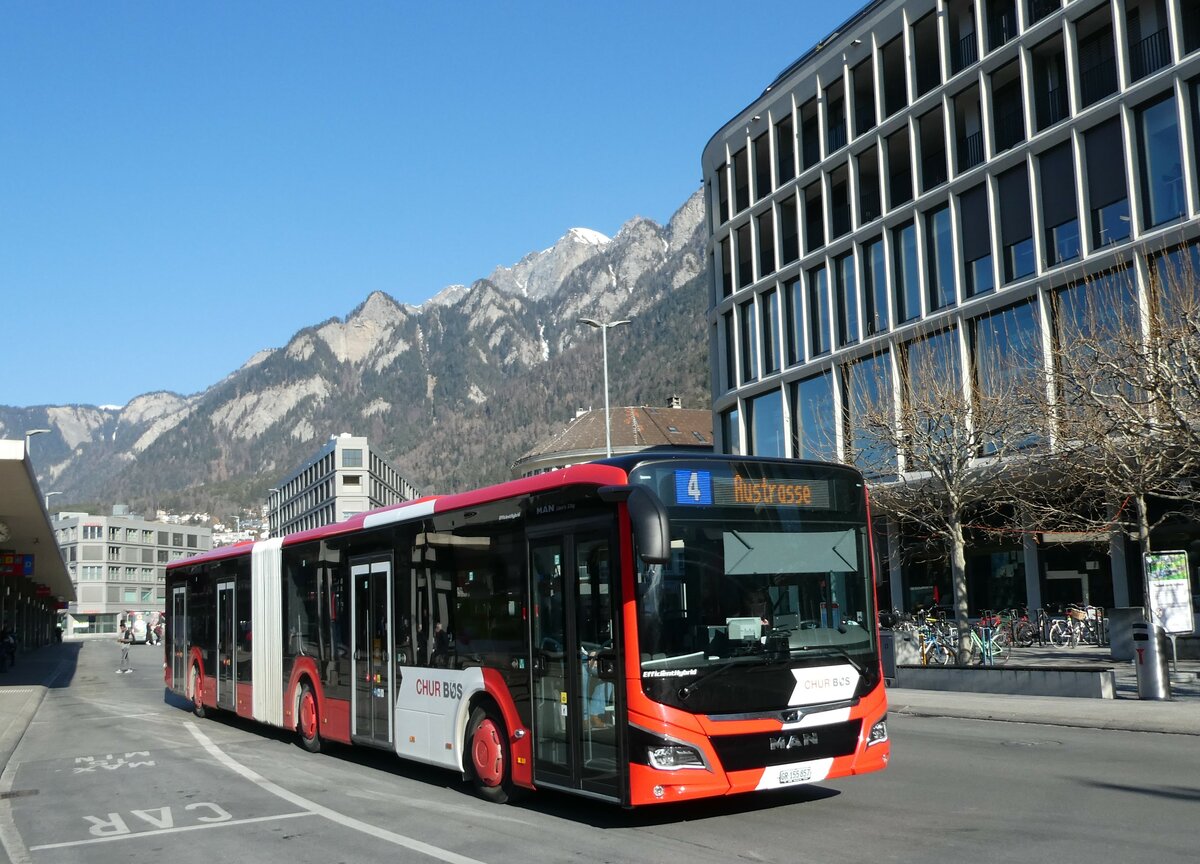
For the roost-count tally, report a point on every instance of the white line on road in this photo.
(158, 832)
(321, 810)
(110, 716)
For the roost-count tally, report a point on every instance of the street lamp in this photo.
(604, 328)
(29, 433)
(46, 499)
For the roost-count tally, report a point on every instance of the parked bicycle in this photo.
(990, 645)
(1077, 626)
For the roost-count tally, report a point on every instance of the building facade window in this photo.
(749, 342)
(895, 88)
(814, 431)
(875, 287)
(978, 271)
(906, 277)
(814, 218)
(846, 306)
(723, 193)
(352, 457)
(1159, 162)
(766, 243)
(785, 151)
(789, 230)
(1097, 57)
(818, 311)
(1060, 214)
(762, 166)
(869, 200)
(793, 297)
(730, 352)
(939, 245)
(1107, 194)
(930, 365)
(741, 181)
(745, 256)
(835, 117)
(726, 268)
(899, 169)
(1016, 228)
(1006, 362)
(731, 431)
(764, 417)
(866, 406)
(769, 306)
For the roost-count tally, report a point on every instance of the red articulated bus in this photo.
(643, 629)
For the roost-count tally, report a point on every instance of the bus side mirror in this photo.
(648, 516)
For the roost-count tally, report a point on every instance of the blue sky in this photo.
(183, 184)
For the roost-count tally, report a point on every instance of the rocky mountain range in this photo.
(451, 392)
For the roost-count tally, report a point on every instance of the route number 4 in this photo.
(693, 487)
(159, 817)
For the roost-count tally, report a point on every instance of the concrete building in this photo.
(344, 478)
(634, 428)
(118, 564)
(941, 171)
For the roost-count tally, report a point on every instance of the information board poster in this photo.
(1170, 591)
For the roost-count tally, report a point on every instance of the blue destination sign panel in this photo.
(699, 488)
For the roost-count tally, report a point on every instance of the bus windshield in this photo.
(769, 569)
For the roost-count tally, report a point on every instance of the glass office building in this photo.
(935, 175)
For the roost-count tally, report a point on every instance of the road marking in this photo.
(14, 691)
(321, 810)
(98, 717)
(161, 831)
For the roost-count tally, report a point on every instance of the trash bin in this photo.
(1150, 661)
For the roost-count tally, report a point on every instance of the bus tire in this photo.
(488, 757)
(308, 719)
(194, 691)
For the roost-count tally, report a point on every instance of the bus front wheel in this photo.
(488, 756)
(308, 719)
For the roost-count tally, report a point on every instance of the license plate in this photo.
(795, 775)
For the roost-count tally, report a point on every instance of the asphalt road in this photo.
(111, 771)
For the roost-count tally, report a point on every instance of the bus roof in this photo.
(589, 473)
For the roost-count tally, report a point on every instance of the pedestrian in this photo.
(126, 634)
(8, 647)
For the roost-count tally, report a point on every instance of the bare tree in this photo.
(1126, 391)
(950, 447)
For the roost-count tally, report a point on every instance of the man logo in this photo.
(791, 742)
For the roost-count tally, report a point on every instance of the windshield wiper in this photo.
(688, 690)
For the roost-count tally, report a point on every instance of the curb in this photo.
(1042, 717)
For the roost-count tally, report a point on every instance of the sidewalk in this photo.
(24, 686)
(1180, 716)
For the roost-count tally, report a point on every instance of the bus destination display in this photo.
(702, 489)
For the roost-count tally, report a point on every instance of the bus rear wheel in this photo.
(488, 757)
(308, 719)
(194, 691)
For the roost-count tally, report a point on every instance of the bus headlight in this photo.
(878, 732)
(673, 757)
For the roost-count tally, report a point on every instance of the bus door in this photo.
(226, 634)
(371, 658)
(576, 678)
(179, 637)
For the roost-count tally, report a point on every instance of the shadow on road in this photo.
(51, 666)
(550, 803)
(1175, 793)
